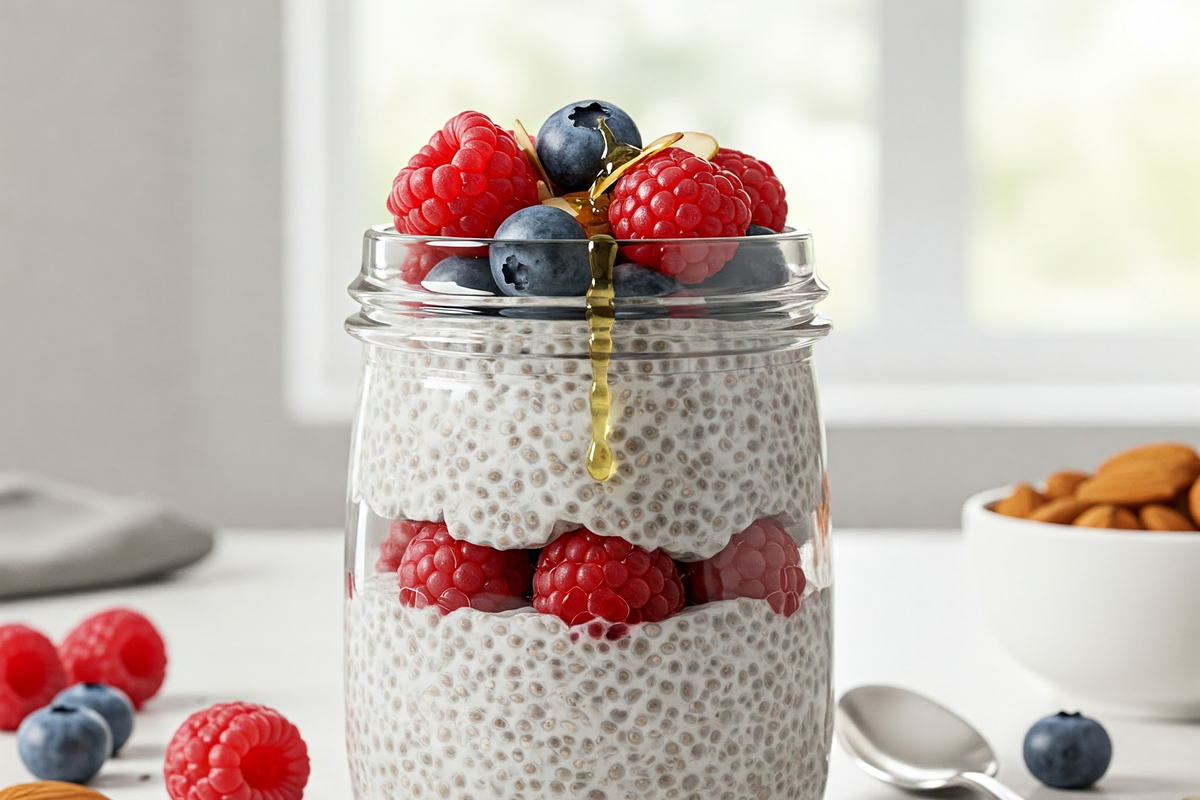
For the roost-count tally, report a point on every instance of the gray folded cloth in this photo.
(57, 537)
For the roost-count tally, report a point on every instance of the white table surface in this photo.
(261, 621)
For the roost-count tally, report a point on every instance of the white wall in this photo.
(140, 303)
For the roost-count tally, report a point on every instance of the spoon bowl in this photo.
(911, 742)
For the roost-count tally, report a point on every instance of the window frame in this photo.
(1028, 378)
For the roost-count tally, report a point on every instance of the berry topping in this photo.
(465, 182)
(634, 280)
(571, 146)
(768, 201)
(560, 270)
(236, 751)
(761, 562)
(111, 704)
(755, 266)
(64, 743)
(439, 570)
(30, 674)
(1067, 751)
(582, 576)
(462, 275)
(118, 647)
(400, 533)
(676, 195)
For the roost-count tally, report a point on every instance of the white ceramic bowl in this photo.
(1111, 618)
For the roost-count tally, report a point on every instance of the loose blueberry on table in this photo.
(110, 703)
(1067, 751)
(64, 743)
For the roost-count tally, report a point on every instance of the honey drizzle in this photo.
(602, 256)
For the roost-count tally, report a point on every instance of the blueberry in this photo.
(107, 701)
(461, 275)
(527, 269)
(755, 266)
(634, 280)
(1067, 751)
(571, 147)
(759, 230)
(64, 743)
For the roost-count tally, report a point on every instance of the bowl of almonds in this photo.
(1091, 579)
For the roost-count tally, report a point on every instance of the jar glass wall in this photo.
(659, 632)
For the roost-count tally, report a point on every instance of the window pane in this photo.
(1084, 122)
(791, 82)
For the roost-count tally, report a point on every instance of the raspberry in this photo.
(465, 182)
(439, 570)
(236, 751)
(118, 647)
(581, 576)
(768, 201)
(676, 195)
(400, 533)
(30, 674)
(761, 562)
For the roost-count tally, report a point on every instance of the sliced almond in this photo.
(1161, 454)
(1107, 516)
(526, 142)
(657, 146)
(1062, 511)
(699, 144)
(1157, 517)
(1021, 503)
(1063, 483)
(1134, 484)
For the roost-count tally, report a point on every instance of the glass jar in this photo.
(678, 641)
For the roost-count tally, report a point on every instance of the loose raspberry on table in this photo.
(582, 576)
(761, 562)
(30, 674)
(677, 195)
(236, 751)
(768, 200)
(469, 178)
(400, 533)
(118, 647)
(447, 573)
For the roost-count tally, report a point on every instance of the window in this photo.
(1001, 191)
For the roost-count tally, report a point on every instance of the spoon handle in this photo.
(989, 785)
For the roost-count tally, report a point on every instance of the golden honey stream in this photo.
(602, 256)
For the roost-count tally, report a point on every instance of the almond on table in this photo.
(1063, 483)
(1021, 503)
(1194, 501)
(1157, 517)
(1108, 516)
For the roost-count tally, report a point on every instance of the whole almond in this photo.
(1107, 516)
(1194, 501)
(1161, 454)
(1155, 517)
(1063, 483)
(1021, 503)
(1060, 512)
(49, 790)
(1135, 484)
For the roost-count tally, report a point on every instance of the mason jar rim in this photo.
(388, 233)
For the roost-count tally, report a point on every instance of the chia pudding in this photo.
(588, 539)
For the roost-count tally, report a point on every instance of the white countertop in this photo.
(261, 621)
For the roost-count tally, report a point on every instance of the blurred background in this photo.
(1005, 196)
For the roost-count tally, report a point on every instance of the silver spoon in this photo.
(909, 741)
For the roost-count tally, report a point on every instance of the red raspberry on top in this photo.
(762, 562)
(676, 195)
(30, 674)
(118, 647)
(236, 751)
(469, 178)
(439, 570)
(582, 576)
(400, 533)
(768, 201)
